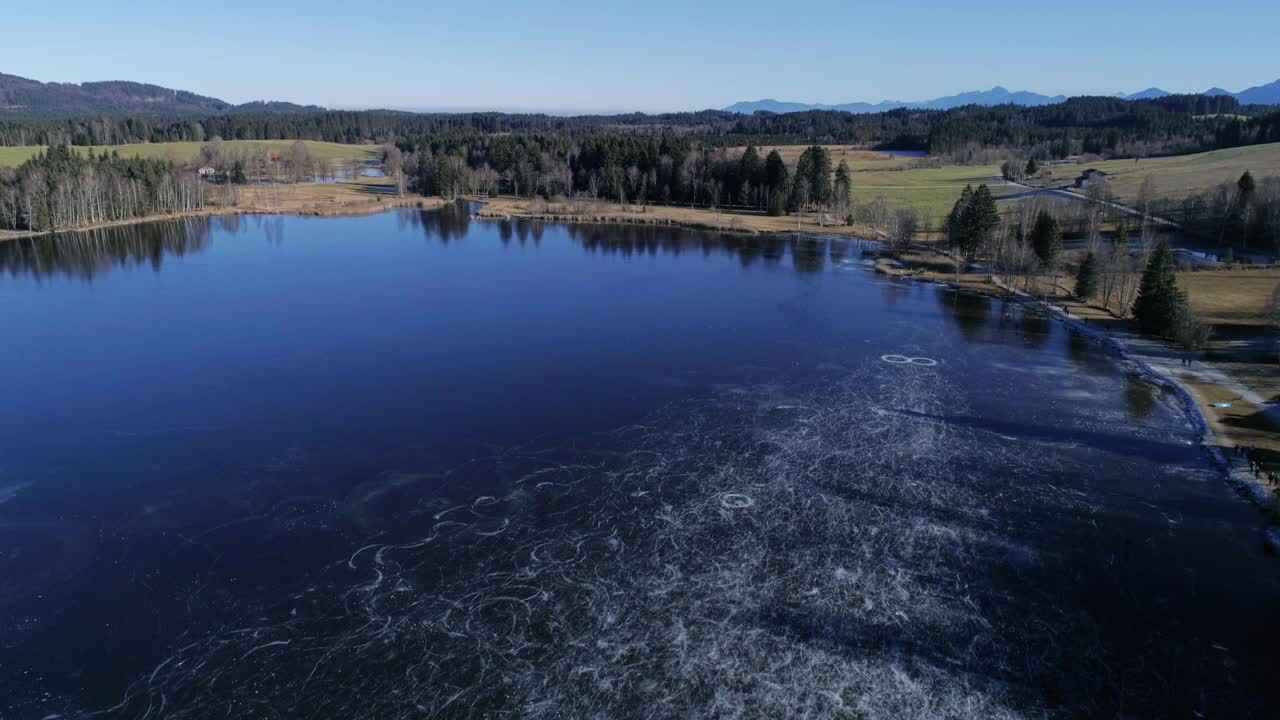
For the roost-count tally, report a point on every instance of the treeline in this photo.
(1127, 267)
(633, 169)
(1084, 125)
(1243, 214)
(1107, 127)
(62, 189)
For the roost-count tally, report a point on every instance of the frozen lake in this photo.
(413, 465)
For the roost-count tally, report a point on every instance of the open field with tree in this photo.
(1176, 177)
(932, 190)
(926, 184)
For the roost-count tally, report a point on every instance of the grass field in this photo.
(185, 152)
(932, 191)
(1236, 297)
(1176, 177)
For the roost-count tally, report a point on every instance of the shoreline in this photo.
(1132, 356)
(331, 207)
(1141, 355)
(331, 203)
(1189, 397)
(699, 218)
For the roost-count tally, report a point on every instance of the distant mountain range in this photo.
(995, 96)
(21, 96)
(1260, 95)
(1268, 94)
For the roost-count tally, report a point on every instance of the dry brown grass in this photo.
(932, 266)
(306, 198)
(607, 212)
(1237, 297)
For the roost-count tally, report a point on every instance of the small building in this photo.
(206, 172)
(1091, 177)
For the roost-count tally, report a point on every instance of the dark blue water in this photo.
(412, 465)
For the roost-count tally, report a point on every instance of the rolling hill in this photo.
(23, 97)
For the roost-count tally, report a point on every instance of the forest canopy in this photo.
(1097, 125)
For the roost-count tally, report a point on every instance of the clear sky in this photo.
(647, 55)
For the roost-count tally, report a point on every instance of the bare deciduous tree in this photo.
(299, 161)
(391, 166)
(906, 222)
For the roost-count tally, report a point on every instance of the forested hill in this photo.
(1103, 126)
(22, 98)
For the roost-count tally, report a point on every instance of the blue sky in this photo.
(652, 55)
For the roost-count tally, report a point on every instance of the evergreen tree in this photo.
(956, 230)
(802, 179)
(1246, 186)
(777, 203)
(820, 176)
(986, 216)
(1087, 278)
(237, 173)
(843, 178)
(775, 182)
(1032, 167)
(801, 194)
(43, 217)
(978, 219)
(1236, 228)
(843, 190)
(1046, 239)
(1160, 303)
(750, 168)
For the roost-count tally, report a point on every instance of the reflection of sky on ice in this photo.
(563, 472)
